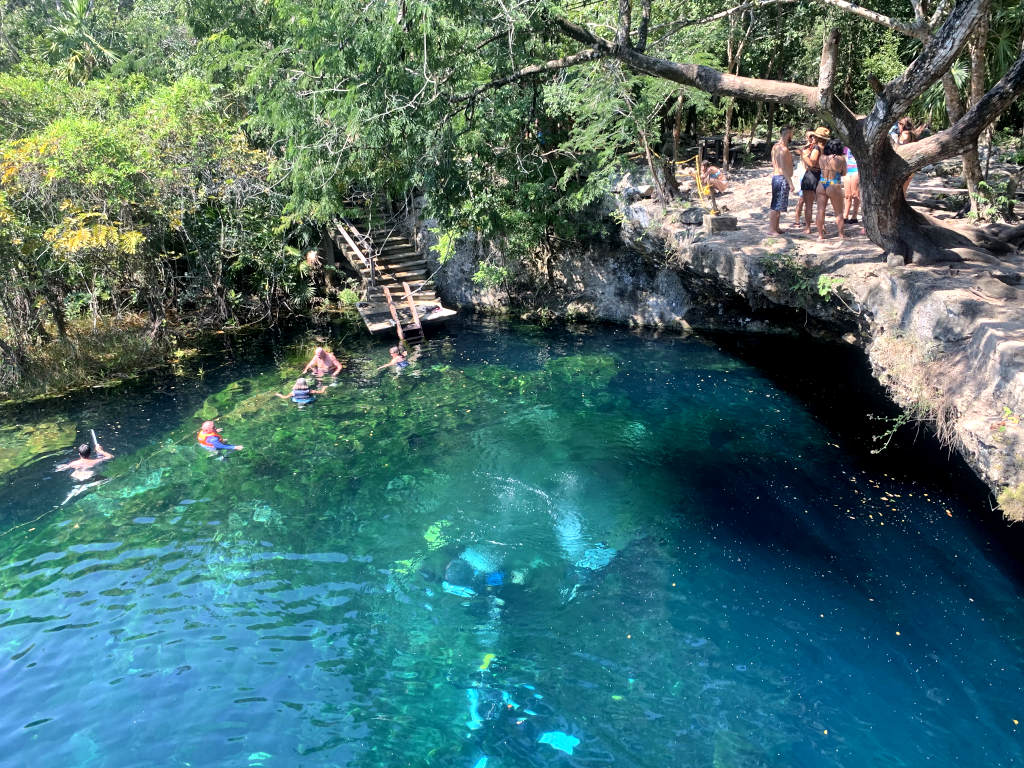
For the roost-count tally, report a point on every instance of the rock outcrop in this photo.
(947, 343)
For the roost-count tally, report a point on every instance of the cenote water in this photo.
(531, 548)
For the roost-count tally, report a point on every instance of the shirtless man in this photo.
(82, 467)
(323, 363)
(782, 179)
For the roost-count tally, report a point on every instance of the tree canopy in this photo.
(174, 158)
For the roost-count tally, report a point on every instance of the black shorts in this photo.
(809, 183)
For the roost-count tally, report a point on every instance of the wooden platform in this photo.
(398, 295)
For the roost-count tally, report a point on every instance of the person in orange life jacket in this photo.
(210, 439)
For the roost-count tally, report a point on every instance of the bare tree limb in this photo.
(534, 69)
(962, 134)
(941, 9)
(645, 23)
(704, 78)
(918, 30)
(622, 32)
(827, 70)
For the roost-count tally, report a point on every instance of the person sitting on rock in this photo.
(713, 177)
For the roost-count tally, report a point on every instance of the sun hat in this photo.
(822, 133)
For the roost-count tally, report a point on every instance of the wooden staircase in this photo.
(398, 295)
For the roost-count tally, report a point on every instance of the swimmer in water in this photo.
(82, 468)
(323, 363)
(399, 359)
(301, 393)
(209, 437)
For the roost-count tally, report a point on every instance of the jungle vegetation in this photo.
(165, 164)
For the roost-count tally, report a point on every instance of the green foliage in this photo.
(445, 245)
(1011, 501)
(92, 355)
(912, 414)
(829, 285)
(490, 275)
(791, 274)
(996, 201)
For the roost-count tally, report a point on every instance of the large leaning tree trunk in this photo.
(889, 221)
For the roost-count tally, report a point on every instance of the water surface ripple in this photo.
(526, 539)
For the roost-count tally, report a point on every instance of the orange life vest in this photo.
(204, 437)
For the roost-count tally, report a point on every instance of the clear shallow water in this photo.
(641, 544)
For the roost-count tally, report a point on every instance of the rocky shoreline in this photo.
(947, 343)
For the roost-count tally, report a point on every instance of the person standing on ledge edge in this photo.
(812, 173)
(210, 439)
(323, 363)
(782, 179)
(82, 467)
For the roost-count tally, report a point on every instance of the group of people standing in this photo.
(830, 177)
(826, 163)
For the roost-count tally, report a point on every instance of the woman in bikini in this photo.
(830, 188)
(713, 177)
(811, 156)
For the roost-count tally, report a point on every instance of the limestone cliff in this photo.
(948, 344)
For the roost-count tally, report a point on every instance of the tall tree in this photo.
(889, 221)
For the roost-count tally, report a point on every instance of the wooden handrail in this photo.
(369, 262)
(412, 308)
(394, 314)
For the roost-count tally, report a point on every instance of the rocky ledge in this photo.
(947, 343)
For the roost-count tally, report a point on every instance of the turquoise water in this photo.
(530, 542)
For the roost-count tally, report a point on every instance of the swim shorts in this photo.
(780, 193)
(809, 183)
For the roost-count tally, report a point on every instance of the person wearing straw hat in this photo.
(812, 172)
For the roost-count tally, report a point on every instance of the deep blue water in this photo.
(641, 549)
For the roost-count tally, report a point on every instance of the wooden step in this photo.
(426, 296)
(419, 295)
(399, 261)
(398, 250)
(398, 274)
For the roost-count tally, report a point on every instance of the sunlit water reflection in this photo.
(531, 548)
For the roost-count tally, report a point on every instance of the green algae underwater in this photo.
(531, 548)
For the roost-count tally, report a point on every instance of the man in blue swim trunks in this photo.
(782, 179)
